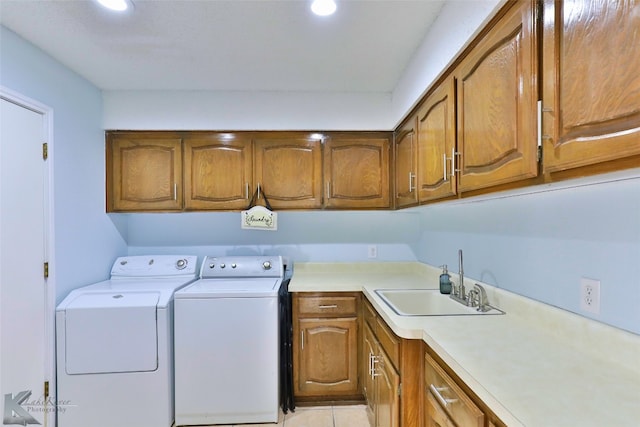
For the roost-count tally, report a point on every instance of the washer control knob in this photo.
(222, 265)
(266, 265)
(233, 265)
(212, 265)
(181, 264)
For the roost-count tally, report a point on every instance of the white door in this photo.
(23, 297)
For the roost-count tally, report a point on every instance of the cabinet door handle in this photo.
(436, 393)
(370, 364)
(302, 340)
(328, 189)
(376, 359)
(444, 166)
(410, 182)
(328, 306)
(453, 162)
(246, 190)
(175, 191)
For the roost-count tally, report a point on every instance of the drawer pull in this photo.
(436, 393)
(328, 306)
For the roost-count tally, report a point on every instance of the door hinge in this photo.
(46, 270)
(45, 151)
(46, 389)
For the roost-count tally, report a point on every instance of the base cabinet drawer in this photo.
(446, 404)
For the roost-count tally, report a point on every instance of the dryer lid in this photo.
(115, 299)
(111, 332)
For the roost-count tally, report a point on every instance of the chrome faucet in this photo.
(459, 293)
(461, 289)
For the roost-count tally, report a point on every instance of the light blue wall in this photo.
(540, 245)
(317, 236)
(86, 240)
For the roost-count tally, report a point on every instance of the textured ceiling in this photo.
(244, 45)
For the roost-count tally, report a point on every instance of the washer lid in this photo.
(229, 288)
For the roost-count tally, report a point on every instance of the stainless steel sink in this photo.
(427, 302)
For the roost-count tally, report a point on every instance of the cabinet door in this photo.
(497, 100)
(437, 143)
(591, 93)
(357, 172)
(218, 171)
(327, 357)
(144, 173)
(406, 155)
(387, 387)
(369, 352)
(289, 171)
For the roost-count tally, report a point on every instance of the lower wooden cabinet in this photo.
(326, 346)
(382, 385)
(448, 402)
(392, 376)
(445, 402)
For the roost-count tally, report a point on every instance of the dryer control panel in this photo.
(154, 266)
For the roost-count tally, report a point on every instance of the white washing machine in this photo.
(227, 342)
(114, 345)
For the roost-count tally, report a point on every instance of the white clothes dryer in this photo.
(114, 345)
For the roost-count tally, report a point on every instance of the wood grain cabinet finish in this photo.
(497, 102)
(381, 384)
(289, 171)
(406, 164)
(445, 402)
(591, 91)
(326, 346)
(218, 172)
(392, 376)
(436, 121)
(144, 173)
(356, 172)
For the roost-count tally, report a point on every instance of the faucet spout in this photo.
(461, 291)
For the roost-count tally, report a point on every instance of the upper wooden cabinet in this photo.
(497, 101)
(406, 164)
(218, 171)
(436, 121)
(144, 173)
(224, 170)
(591, 91)
(356, 171)
(289, 171)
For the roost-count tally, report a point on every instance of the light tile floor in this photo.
(320, 416)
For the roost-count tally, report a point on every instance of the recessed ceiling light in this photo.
(323, 7)
(117, 5)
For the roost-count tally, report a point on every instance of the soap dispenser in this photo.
(445, 281)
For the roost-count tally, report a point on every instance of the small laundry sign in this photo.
(259, 217)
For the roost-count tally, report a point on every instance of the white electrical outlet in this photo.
(590, 295)
(372, 251)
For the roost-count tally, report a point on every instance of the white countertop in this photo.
(537, 365)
